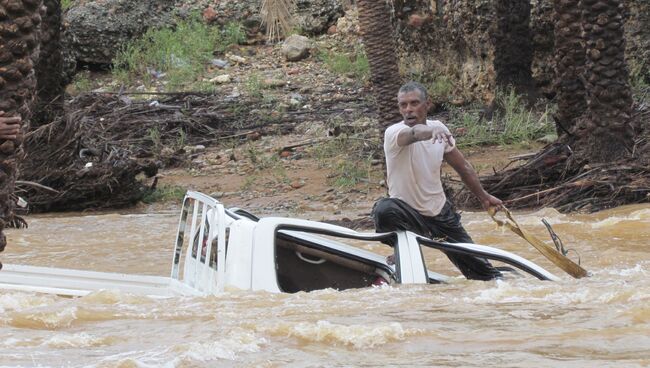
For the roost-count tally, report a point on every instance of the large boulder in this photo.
(95, 30)
(296, 48)
(316, 16)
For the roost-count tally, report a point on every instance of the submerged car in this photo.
(218, 248)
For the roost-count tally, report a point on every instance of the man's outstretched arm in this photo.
(422, 132)
(468, 175)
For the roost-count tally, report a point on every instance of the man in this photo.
(9, 126)
(415, 149)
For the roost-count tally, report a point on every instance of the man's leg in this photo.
(392, 214)
(447, 225)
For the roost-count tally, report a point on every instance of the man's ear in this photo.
(429, 103)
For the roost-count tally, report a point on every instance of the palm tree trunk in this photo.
(379, 42)
(569, 64)
(513, 54)
(19, 41)
(49, 69)
(609, 96)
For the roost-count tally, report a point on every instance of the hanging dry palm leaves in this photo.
(277, 15)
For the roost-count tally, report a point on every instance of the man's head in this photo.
(413, 102)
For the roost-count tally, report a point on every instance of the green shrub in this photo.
(355, 65)
(440, 88)
(176, 55)
(254, 85)
(82, 82)
(349, 173)
(67, 4)
(233, 34)
(155, 138)
(164, 193)
(640, 84)
(512, 123)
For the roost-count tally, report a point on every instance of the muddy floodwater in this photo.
(601, 321)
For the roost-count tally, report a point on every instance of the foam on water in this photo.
(639, 215)
(78, 340)
(508, 292)
(231, 348)
(46, 318)
(227, 348)
(554, 293)
(113, 297)
(11, 301)
(637, 270)
(640, 314)
(357, 336)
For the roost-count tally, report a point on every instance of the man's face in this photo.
(413, 107)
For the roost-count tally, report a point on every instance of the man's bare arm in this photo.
(421, 132)
(468, 175)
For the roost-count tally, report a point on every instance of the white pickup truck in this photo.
(218, 248)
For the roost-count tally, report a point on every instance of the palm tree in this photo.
(19, 44)
(380, 46)
(49, 69)
(606, 127)
(593, 165)
(593, 94)
(569, 64)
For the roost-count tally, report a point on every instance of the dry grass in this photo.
(277, 15)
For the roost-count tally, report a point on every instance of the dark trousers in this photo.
(394, 214)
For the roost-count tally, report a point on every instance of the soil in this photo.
(307, 188)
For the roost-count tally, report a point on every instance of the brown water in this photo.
(602, 321)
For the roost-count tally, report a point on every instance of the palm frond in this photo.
(277, 15)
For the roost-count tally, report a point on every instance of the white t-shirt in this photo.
(414, 170)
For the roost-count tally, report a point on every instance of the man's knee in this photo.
(387, 215)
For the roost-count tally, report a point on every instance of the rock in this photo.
(94, 31)
(254, 136)
(221, 79)
(273, 83)
(315, 16)
(236, 59)
(285, 154)
(417, 20)
(296, 48)
(219, 63)
(297, 96)
(297, 184)
(209, 15)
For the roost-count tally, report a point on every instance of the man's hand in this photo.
(9, 126)
(439, 134)
(421, 132)
(490, 201)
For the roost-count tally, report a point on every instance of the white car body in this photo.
(273, 254)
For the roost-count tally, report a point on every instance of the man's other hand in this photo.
(9, 126)
(490, 201)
